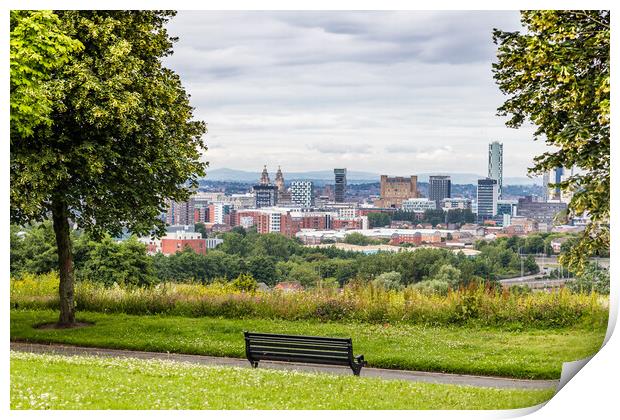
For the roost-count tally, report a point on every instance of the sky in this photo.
(399, 93)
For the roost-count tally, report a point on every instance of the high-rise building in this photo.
(302, 193)
(340, 185)
(507, 207)
(180, 212)
(496, 164)
(545, 182)
(394, 190)
(439, 187)
(487, 194)
(265, 195)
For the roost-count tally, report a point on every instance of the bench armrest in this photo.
(360, 360)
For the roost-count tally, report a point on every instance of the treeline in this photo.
(268, 258)
(433, 217)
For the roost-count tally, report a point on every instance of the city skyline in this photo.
(356, 89)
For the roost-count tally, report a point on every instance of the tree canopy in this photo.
(556, 75)
(121, 139)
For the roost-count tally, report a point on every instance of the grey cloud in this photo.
(315, 89)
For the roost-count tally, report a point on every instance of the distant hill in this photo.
(235, 175)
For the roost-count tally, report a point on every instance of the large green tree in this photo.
(556, 74)
(38, 48)
(122, 137)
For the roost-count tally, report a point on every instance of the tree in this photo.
(38, 49)
(356, 239)
(122, 139)
(124, 263)
(557, 77)
(200, 227)
(378, 219)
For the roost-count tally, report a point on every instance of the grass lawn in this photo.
(60, 382)
(535, 354)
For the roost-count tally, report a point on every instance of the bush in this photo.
(245, 283)
(432, 287)
(388, 281)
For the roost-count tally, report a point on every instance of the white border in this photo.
(593, 393)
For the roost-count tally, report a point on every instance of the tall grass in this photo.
(365, 303)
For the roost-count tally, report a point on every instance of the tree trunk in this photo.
(66, 288)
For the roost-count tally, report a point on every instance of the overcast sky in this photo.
(387, 92)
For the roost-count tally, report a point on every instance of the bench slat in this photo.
(325, 353)
(307, 359)
(298, 345)
(297, 337)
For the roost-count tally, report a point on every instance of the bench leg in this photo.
(254, 364)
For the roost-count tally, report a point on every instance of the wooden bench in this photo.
(304, 349)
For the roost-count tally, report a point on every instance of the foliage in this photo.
(388, 281)
(358, 301)
(356, 238)
(433, 286)
(378, 219)
(39, 48)
(556, 75)
(35, 384)
(593, 279)
(202, 229)
(244, 283)
(123, 263)
(121, 141)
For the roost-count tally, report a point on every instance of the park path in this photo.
(432, 377)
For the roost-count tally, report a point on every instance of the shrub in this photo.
(245, 283)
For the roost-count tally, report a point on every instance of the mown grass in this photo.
(471, 349)
(76, 382)
(363, 303)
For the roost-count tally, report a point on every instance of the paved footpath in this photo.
(432, 377)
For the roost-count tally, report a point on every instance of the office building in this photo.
(542, 212)
(340, 185)
(418, 205)
(439, 188)
(507, 207)
(496, 164)
(487, 194)
(265, 195)
(302, 193)
(456, 203)
(395, 190)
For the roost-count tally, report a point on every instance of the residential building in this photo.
(394, 190)
(487, 195)
(302, 193)
(496, 165)
(418, 205)
(180, 213)
(439, 188)
(340, 185)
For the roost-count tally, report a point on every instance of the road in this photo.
(416, 376)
